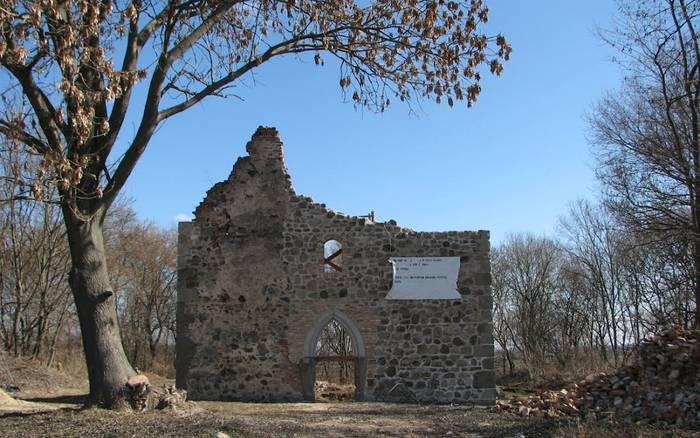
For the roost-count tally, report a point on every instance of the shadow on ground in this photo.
(299, 420)
(74, 399)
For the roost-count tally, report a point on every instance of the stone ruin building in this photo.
(255, 290)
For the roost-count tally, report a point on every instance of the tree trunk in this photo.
(107, 364)
(696, 266)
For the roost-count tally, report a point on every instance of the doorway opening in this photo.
(334, 351)
(335, 364)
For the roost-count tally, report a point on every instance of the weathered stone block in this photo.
(484, 379)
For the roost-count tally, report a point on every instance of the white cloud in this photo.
(183, 217)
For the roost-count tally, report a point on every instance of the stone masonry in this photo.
(253, 296)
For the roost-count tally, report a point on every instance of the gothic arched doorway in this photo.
(334, 339)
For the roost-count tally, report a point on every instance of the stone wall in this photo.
(253, 294)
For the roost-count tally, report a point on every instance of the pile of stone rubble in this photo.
(330, 391)
(141, 395)
(661, 387)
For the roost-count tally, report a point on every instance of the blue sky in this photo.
(511, 163)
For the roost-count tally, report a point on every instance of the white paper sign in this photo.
(424, 278)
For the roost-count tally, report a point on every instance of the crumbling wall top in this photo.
(265, 145)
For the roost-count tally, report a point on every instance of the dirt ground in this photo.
(276, 420)
(49, 404)
(298, 420)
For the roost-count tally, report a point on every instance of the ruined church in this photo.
(256, 289)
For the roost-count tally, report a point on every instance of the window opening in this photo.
(332, 256)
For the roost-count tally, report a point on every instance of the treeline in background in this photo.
(37, 312)
(627, 264)
(617, 269)
(577, 301)
(580, 301)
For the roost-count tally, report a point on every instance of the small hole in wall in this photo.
(332, 256)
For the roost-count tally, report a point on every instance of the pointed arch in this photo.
(318, 326)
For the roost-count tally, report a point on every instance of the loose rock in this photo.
(661, 387)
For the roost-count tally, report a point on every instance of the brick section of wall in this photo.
(252, 284)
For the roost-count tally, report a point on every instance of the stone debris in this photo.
(172, 398)
(142, 396)
(137, 389)
(329, 391)
(396, 393)
(661, 387)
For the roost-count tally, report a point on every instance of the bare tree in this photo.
(597, 254)
(67, 101)
(572, 314)
(593, 293)
(335, 342)
(647, 136)
(661, 277)
(34, 295)
(526, 279)
(142, 258)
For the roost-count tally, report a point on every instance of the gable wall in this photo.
(252, 285)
